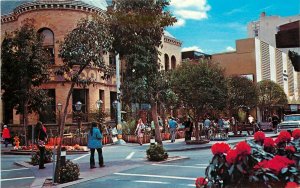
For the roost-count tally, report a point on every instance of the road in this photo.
(172, 174)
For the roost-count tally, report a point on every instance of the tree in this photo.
(242, 92)
(25, 66)
(137, 27)
(201, 87)
(270, 95)
(82, 48)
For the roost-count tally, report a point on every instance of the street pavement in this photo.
(126, 166)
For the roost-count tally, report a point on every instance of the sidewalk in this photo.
(111, 167)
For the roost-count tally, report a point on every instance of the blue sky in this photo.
(212, 26)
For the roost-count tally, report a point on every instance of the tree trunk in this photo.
(154, 117)
(25, 120)
(61, 134)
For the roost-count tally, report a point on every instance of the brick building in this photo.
(56, 18)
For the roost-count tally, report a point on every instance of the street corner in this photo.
(23, 164)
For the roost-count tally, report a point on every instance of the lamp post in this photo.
(59, 108)
(78, 106)
(98, 105)
(114, 105)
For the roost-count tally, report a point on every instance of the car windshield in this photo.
(292, 118)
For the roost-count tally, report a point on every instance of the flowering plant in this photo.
(260, 163)
(259, 136)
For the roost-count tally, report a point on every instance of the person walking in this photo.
(95, 143)
(41, 138)
(139, 131)
(6, 135)
(207, 125)
(188, 129)
(172, 125)
(275, 121)
(251, 121)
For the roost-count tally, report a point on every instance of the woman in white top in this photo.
(139, 131)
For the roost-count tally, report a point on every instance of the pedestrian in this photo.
(95, 143)
(173, 125)
(251, 121)
(6, 135)
(139, 131)
(188, 125)
(41, 138)
(275, 121)
(207, 125)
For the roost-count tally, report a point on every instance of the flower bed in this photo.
(259, 163)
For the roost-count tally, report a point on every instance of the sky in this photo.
(212, 26)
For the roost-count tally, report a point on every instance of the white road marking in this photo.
(156, 176)
(191, 185)
(17, 178)
(130, 155)
(156, 182)
(202, 164)
(14, 169)
(80, 157)
(203, 167)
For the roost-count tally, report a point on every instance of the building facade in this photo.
(259, 61)
(55, 19)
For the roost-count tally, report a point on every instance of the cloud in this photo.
(180, 22)
(237, 10)
(189, 9)
(230, 49)
(192, 48)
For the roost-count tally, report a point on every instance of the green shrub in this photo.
(69, 172)
(36, 157)
(128, 128)
(156, 153)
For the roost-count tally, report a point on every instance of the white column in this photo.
(285, 72)
(258, 60)
(118, 89)
(272, 63)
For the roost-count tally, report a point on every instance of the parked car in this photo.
(289, 123)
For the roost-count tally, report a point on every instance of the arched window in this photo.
(48, 42)
(167, 63)
(173, 62)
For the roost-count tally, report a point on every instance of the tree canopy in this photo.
(25, 66)
(137, 27)
(270, 94)
(242, 92)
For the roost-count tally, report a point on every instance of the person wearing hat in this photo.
(6, 135)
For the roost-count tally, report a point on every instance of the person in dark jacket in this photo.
(95, 143)
(41, 138)
(188, 125)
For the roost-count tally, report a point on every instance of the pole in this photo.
(118, 90)
(32, 140)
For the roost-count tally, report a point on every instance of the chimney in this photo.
(263, 14)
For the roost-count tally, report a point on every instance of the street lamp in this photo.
(114, 104)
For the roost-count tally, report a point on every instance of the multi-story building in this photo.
(55, 19)
(257, 60)
(267, 27)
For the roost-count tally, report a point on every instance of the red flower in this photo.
(291, 185)
(220, 148)
(200, 181)
(259, 136)
(284, 136)
(231, 156)
(269, 142)
(243, 148)
(278, 163)
(296, 133)
(262, 164)
(290, 148)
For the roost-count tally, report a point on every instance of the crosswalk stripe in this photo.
(202, 167)
(130, 155)
(21, 178)
(155, 182)
(156, 176)
(14, 169)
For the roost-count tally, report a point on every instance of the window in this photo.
(173, 62)
(101, 97)
(167, 63)
(112, 59)
(49, 114)
(48, 42)
(82, 96)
